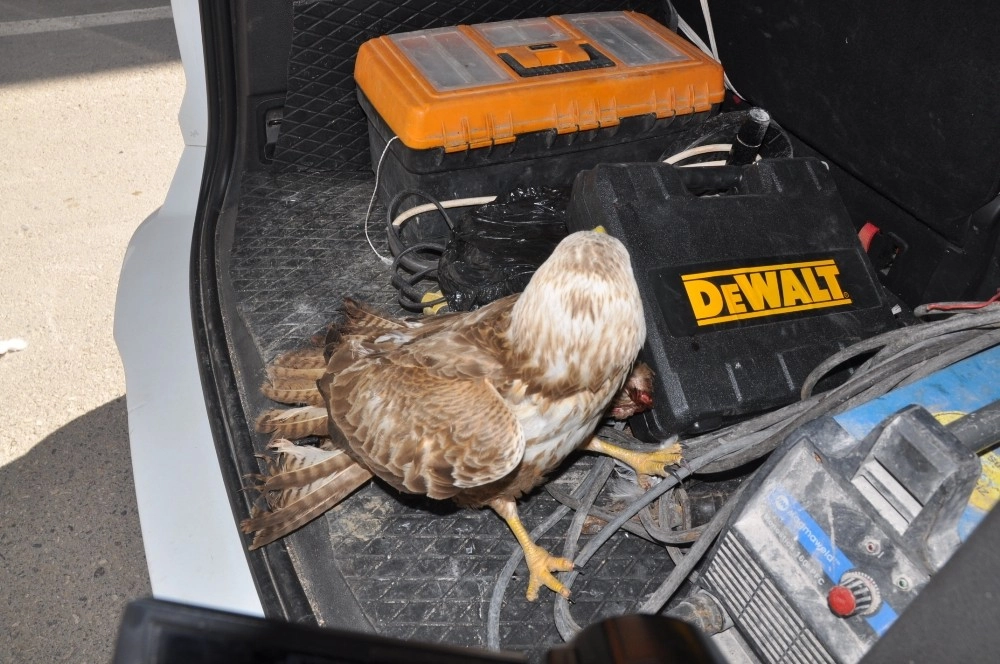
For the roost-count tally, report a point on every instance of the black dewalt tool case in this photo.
(750, 277)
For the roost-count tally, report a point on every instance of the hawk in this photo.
(477, 407)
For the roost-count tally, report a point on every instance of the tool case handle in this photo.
(596, 60)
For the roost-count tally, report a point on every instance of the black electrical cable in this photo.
(980, 429)
(737, 452)
(824, 404)
(908, 344)
(598, 540)
(951, 347)
(749, 430)
(665, 535)
(947, 308)
(676, 552)
(903, 355)
(396, 246)
(896, 341)
(693, 466)
(560, 612)
(622, 439)
(599, 475)
(503, 579)
(598, 513)
(680, 573)
(884, 375)
(943, 354)
(959, 352)
(409, 297)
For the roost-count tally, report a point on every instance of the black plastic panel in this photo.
(899, 95)
(900, 100)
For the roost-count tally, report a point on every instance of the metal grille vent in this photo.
(757, 607)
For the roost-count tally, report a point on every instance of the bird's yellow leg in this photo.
(644, 463)
(540, 562)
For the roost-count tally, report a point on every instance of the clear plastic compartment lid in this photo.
(521, 32)
(625, 39)
(448, 59)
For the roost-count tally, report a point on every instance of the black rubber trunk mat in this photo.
(402, 566)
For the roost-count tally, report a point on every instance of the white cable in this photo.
(378, 171)
(711, 31)
(696, 39)
(430, 207)
(720, 162)
(698, 150)
(693, 36)
(708, 148)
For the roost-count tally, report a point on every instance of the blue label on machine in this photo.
(961, 388)
(811, 537)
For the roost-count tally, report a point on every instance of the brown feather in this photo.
(362, 319)
(293, 392)
(278, 373)
(302, 483)
(302, 358)
(294, 423)
(477, 406)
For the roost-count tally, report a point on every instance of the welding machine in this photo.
(850, 518)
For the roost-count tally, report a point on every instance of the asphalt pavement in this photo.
(89, 94)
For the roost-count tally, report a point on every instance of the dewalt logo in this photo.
(723, 296)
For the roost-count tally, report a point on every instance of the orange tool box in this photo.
(531, 101)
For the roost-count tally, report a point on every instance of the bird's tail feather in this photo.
(292, 391)
(310, 357)
(364, 320)
(293, 375)
(276, 372)
(300, 483)
(294, 423)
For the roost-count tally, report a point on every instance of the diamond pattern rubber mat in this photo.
(419, 569)
(299, 249)
(426, 572)
(324, 128)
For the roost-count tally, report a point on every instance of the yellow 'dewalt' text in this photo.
(723, 296)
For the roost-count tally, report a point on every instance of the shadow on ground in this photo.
(47, 55)
(70, 549)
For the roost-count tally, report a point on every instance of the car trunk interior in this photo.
(291, 240)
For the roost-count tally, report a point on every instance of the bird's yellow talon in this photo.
(541, 564)
(655, 463)
(644, 463)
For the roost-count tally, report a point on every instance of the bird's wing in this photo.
(422, 431)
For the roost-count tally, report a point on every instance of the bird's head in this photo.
(580, 318)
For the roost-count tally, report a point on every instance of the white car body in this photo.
(194, 552)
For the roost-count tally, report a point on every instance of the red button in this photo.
(841, 601)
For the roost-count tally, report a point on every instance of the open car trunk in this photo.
(283, 237)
